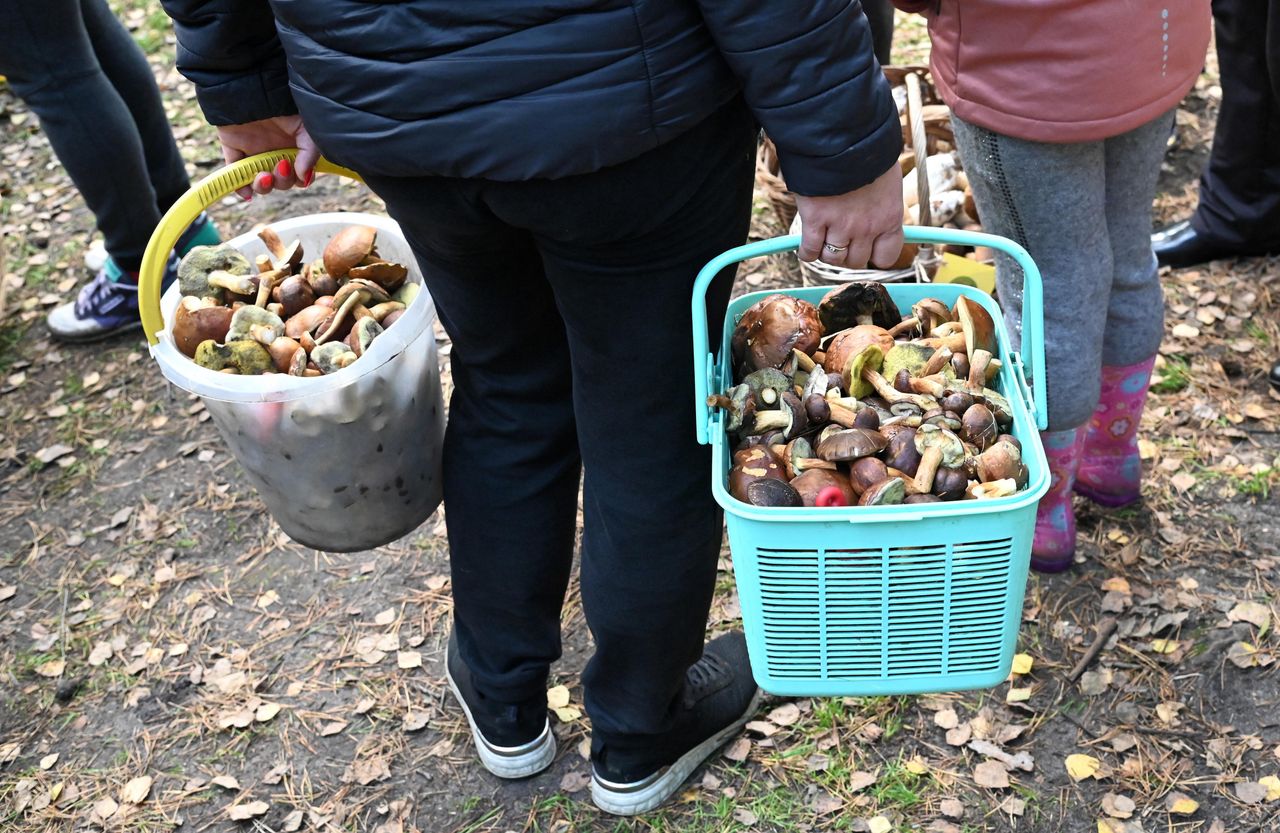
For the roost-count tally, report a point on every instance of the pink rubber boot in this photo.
(1054, 547)
(1110, 468)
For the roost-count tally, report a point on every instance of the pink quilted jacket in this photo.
(1064, 70)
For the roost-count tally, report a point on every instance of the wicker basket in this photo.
(769, 182)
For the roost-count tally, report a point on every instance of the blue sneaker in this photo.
(107, 306)
(109, 303)
(201, 232)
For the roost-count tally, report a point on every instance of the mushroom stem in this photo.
(338, 317)
(978, 370)
(719, 400)
(239, 284)
(948, 328)
(272, 241)
(929, 462)
(928, 387)
(803, 360)
(767, 421)
(846, 417)
(892, 395)
(937, 361)
(267, 281)
(904, 326)
(953, 342)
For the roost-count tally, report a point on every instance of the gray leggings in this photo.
(1083, 211)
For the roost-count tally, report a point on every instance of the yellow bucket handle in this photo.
(202, 195)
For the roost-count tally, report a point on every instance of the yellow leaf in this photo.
(1272, 784)
(55, 791)
(52, 668)
(1118, 584)
(1022, 663)
(267, 599)
(1108, 826)
(567, 714)
(1164, 646)
(48, 761)
(917, 766)
(557, 697)
(1018, 695)
(1080, 767)
(1180, 804)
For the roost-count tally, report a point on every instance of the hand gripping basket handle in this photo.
(1032, 352)
(202, 195)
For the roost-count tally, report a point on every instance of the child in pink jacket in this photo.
(1061, 111)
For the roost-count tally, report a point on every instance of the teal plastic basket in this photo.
(882, 600)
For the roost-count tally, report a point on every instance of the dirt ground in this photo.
(170, 660)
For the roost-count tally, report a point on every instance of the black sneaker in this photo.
(719, 697)
(513, 741)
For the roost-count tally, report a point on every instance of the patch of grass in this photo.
(898, 787)
(11, 335)
(1256, 485)
(1257, 333)
(1174, 377)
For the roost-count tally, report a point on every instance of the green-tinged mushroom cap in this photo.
(248, 358)
(201, 261)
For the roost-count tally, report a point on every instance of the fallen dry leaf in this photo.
(879, 824)
(244, 812)
(365, 771)
(1022, 663)
(574, 781)
(7, 591)
(415, 721)
(557, 697)
(52, 668)
(859, 780)
(1180, 804)
(738, 750)
(408, 659)
(567, 714)
(1164, 646)
(946, 719)
(136, 791)
(991, 774)
(332, 728)
(1250, 792)
(1254, 613)
(951, 808)
(785, 715)
(386, 617)
(48, 761)
(1080, 767)
(227, 782)
(1272, 783)
(105, 808)
(266, 711)
(1118, 806)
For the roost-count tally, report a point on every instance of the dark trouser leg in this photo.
(511, 465)
(880, 15)
(129, 73)
(1240, 187)
(46, 52)
(622, 248)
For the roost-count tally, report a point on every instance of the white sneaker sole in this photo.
(509, 762)
(643, 796)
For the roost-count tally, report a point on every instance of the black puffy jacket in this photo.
(514, 90)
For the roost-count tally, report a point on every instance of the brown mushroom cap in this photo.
(950, 483)
(770, 492)
(757, 463)
(866, 472)
(196, 321)
(979, 329)
(772, 328)
(847, 344)
(293, 294)
(999, 462)
(888, 491)
(810, 483)
(389, 276)
(979, 427)
(284, 352)
(850, 444)
(306, 320)
(347, 248)
(859, 302)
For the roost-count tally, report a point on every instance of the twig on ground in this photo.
(1105, 628)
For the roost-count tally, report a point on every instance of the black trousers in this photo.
(880, 15)
(1240, 187)
(81, 73)
(568, 304)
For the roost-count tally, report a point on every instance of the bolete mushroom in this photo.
(999, 462)
(865, 472)
(992, 489)
(798, 457)
(348, 248)
(979, 426)
(248, 358)
(288, 355)
(979, 329)
(363, 334)
(770, 492)
(387, 275)
(772, 328)
(847, 344)
(197, 320)
(754, 464)
(790, 417)
(937, 447)
(737, 403)
(911, 356)
(849, 444)
(859, 302)
(294, 294)
(888, 491)
(767, 384)
(256, 323)
(353, 292)
(198, 265)
(813, 483)
(332, 356)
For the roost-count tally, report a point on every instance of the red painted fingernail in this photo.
(264, 180)
(282, 167)
(306, 180)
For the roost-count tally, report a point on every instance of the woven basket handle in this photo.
(919, 144)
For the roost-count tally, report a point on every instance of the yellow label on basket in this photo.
(962, 270)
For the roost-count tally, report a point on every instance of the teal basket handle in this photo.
(1029, 361)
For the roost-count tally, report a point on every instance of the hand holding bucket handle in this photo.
(202, 195)
(1032, 348)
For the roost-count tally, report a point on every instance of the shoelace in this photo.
(707, 673)
(96, 293)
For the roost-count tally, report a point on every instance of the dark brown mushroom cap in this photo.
(901, 451)
(914, 499)
(293, 294)
(757, 464)
(850, 444)
(389, 276)
(866, 472)
(860, 302)
(867, 418)
(999, 462)
(949, 483)
(769, 492)
(979, 427)
(847, 344)
(772, 328)
(347, 248)
(809, 483)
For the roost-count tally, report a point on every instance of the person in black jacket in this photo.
(1239, 209)
(562, 171)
